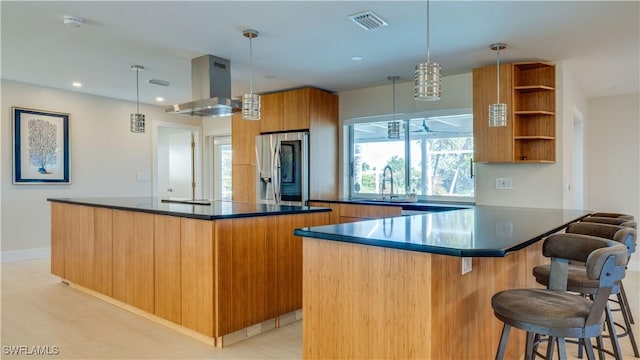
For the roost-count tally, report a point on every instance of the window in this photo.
(222, 168)
(435, 162)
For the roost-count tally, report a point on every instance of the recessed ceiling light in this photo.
(356, 58)
(76, 84)
(159, 99)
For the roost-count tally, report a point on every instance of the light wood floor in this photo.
(37, 309)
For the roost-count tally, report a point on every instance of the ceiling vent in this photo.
(159, 82)
(368, 20)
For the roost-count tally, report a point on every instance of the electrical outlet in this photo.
(467, 264)
(503, 183)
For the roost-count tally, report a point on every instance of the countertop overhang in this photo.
(480, 231)
(212, 211)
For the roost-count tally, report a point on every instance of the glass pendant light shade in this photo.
(427, 79)
(393, 127)
(137, 123)
(427, 82)
(251, 107)
(137, 120)
(498, 115)
(251, 101)
(498, 111)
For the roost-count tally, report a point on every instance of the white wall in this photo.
(613, 148)
(105, 157)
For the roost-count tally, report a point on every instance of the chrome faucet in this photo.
(384, 181)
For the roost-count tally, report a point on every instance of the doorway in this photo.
(177, 170)
(577, 166)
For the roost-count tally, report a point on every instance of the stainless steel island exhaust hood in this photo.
(211, 87)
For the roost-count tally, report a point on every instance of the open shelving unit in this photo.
(534, 112)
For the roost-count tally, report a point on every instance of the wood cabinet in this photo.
(196, 275)
(528, 89)
(211, 276)
(344, 213)
(167, 264)
(300, 109)
(133, 259)
(243, 140)
(245, 274)
(271, 112)
(243, 180)
(82, 251)
(243, 169)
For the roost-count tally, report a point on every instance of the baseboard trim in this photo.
(26, 254)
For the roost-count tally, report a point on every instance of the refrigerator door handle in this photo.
(275, 172)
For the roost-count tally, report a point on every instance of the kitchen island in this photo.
(394, 287)
(209, 269)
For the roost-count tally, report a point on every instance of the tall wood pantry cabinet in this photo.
(529, 90)
(300, 109)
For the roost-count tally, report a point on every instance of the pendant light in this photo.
(393, 127)
(251, 101)
(137, 119)
(498, 111)
(427, 76)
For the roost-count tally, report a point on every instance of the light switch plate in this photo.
(467, 264)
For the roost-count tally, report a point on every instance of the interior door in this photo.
(175, 163)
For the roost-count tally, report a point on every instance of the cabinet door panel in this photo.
(133, 259)
(197, 254)
(244, 274)
(167, 268)
(271, 116)
(243, 140)
(243, 178)
(492, 144)
(296, 109)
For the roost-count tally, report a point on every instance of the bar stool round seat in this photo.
(553, 313)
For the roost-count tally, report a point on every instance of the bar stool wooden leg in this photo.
(550, 347)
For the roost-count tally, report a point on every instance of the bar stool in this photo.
(613, 215)
(578, 281)
(554, 312)
(621, 221)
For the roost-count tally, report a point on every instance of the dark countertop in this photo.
(481, 231)
(405, 205)
(215, 209)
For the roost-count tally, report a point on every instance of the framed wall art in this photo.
(40, 147)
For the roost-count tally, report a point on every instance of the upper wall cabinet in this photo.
(294, 109)
(528, 89)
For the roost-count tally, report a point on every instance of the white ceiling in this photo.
(309, 42)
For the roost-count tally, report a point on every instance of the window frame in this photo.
(350, 138)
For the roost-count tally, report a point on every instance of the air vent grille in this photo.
(159, 82)
(368, 20)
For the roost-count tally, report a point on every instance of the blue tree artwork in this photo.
(43, 145)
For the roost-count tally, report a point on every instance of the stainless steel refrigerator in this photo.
(282, 161)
